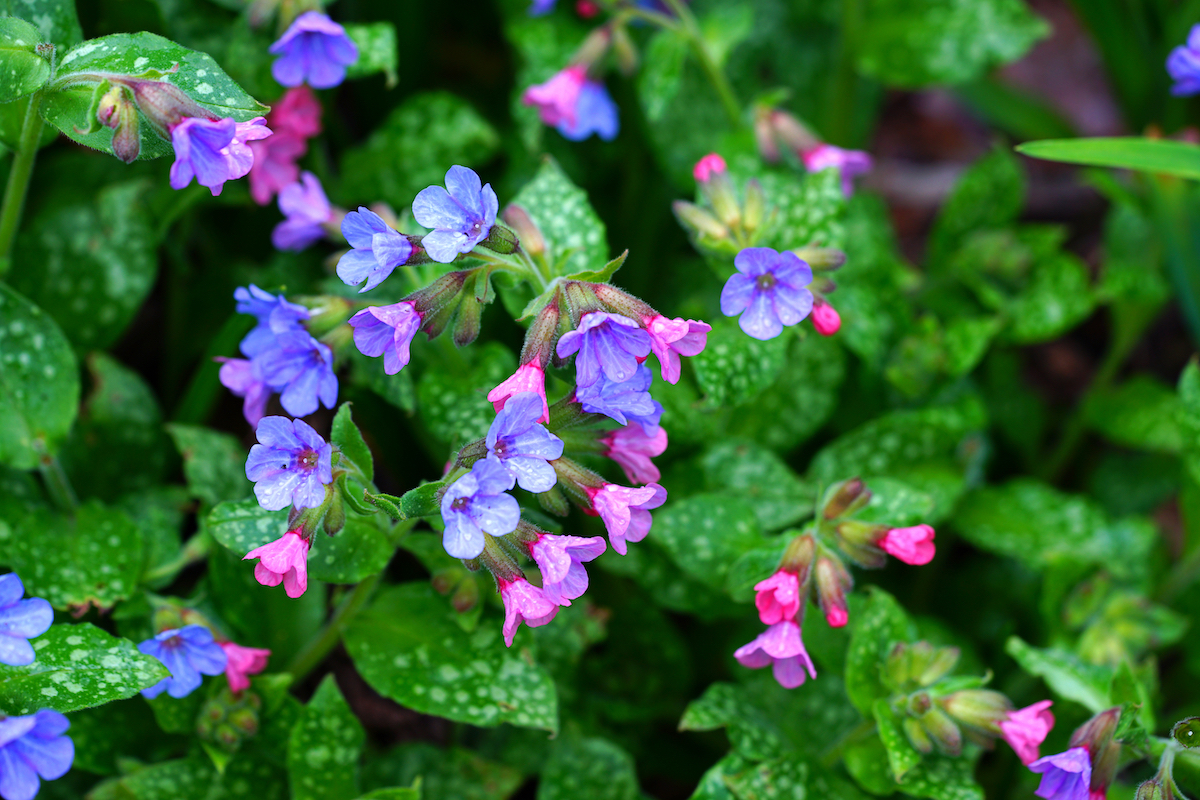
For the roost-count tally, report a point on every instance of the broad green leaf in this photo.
(867, 763)
(945, 778)
(181, 779)
(896, 504)
(734, 368)
(453, 404)
(56, 19)
(744, 469)
(91, 264)
(914, 43)
(22, 69)
(453, 773)
(575, 236)
(713, 783)
(807, 210)
(103, 735)
(902, 757)
(324, 748)
(988, 195)
(1058, 297)
(655, 569)
(395, 793)
(587, 767)
(346, 436)
(398, 389)
(780, 777)
(705, 534)
(1123, 152)
(874, 625)
(94, 557)
(214, 463)
(377, 51)
(158, 514)
(1086, 684)
(724, 28)
(409, 648)
(1141, 413)
(754, 566)
(39, 383)
(661, 72)
(78, 666)
(753, 732)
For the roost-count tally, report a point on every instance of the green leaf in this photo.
(324, 748)
(902, 757)
(989, 195)
(945, 778)
(1064, 673)
(78, 666)
(705, 534)
(575, 236)
(22, 69)
(1141, 413)
(455, 773)
(214, 463)
(867, 763)
(753, 731)
(39, 383)
(395, 793)
(777, 778)
(1058, 297)
(158, 514)
(346, 436)
(874, 626)
(181, 779)
(68, 100)
(1161, 156)
(587, 767)
(713, 784)
(896, 504)
(94, 557)
(377, 51)
(95, 260)
(734, 368)
(102, 736)
(602, 275)
(914, 43)
(744, 469)
(453, 404)
(661, 72)
(56, 19)
(409, 648)
(807, 210)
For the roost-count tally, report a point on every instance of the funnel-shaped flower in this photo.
(768, 291)
(307, 210)
(314, 49)
(1184, 65)
(626, 402)
(625, 511)
(242, 662)
(387, 331)
(461, 215)
(188, 653)
(475, 504)
(285, 561)
(1065, 776)
(33, 746)
(378, 249)
(911, 545)
(20, 621)
(632, 448)
(781, 648)
(778, 597)
(523, 602)
(611, 345)
(849, 162)
(528, 378)
(213, 151)
(291, 465)
(560, 559)
(523, 446)
(1025, 729)
(672, 338)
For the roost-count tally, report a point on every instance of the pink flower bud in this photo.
(285, 561)
(1026, 728)
(241, 662)
(706, 166)
(528, 378)
(778, 598)
(911, 545)
(825, 318)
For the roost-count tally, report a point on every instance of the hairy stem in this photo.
(18, 179)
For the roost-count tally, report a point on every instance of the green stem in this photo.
(690, 29)
(316, 650)
(18, 179)
(845, 80)
(195, 550)
(57, 484)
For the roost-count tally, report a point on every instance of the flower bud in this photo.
(764, 134)
(798, 557)
(979, 708)
(244, 720)
(821, 259)
(1154, 789)
(1096, 736)
(857, 540)
(554, 502)
(527, 231)
(625, 51)
(622, 302)
(335, 515)
(466, 597)
(754, 207)
(699, 221)
(833, 581)
(501, 239)
(164, 104)
(937, 665)
(116, 110)
(466, 329)
(897, 670)
(444, 581)
(593, 48)
(917, 736)
(945, 734)
(825, 318)
(846, 498)
(581, 299)
(792, 132)
(718, 190)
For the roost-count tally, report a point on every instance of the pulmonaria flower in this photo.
(188, 653)
(33, 746)
(20, 621)
(706, 166)
(781, 648)
(275, 164)
(301, 369)
(911, 545)
(608, 344)
(625, 511)
(528, 378)
(595, 113)
(285, 561)
(541, 7)
(476, 504)
(314, 49)
(672, 338)
(522, 446)
(626, 402)
(632, 448)
(768, 291)
(849, 162)
(557, 98)
(1026, 728)
(242, 662)
(242, 378)
(387, 331)
(307, 210)
(825, 318)
(523, 602)
(460, 216)
(275, 315)
(1065, 776)
(213, 151)
(298, 112)
(378, 249)
(778, 597)
(560, 559)
(291, 465)
(1184, 65)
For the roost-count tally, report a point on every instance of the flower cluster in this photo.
(294, 119)
(193, 647)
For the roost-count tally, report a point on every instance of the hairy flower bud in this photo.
(699, 221)
(754, 207)
(846, 498)
(979, 708)
(501, 239)
(942, 730)
(858, 540)
(833, 582)
(116, 110)
(517, 218)
(937, 665)
(625, 51)
(821, 259)
(917, 736)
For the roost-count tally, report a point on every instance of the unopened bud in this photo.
(792, 132)
(527, 231)
(764, 135)
(245, 720)
(798, 557)
(945, 734)
(466, 596)
(857, 540)
(822, 284)
(625, 51)
(326, 312)
(917, 736)
(501, 240)
(718, 189)
(822, 259)
(466, 328)
(581, 300)
(444, 581)
(116, 110)
(622, 302)
(937, 665)
(979, 708)
(335, 516)
(1154, 789)
(165, 104)
(897, 669)
(698, 220)
(846, 498)
(754, 207)
(825, 318)
(554, 502)
(593, 48)
(542, 334)
(833, 581)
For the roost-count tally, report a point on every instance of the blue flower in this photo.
(301, 369)
(274, 313)
(307, 210)
(30, 746)
(314, 49)
(213, 150)
(188, 653)
(768, 290)
(1067, 776)
(20, 621)
(626, 402)
(476, 504)
(608, 344)
(522, 446)
(540, 7)
(378, 249)
(387, 331)
(1184, 65)
(290, 465)
(595, 112)
(461, 215)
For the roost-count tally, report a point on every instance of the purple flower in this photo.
(625, 511)
(769, 288)
(1067, 775)
(188, 653)
(557, 99)
(1184, 65)
(20, 621)
(378, 249)
(780, 647)
(301, 369)
(274, 313)
(523, 447)
(625, 402)
(314, 49)
(595, 112)
(476, 504)
(608, 344)
(213, 151)
(31, 746)
(523, 602)
(560, 558)
(541, 7)
(290, 465)
(461, 215)
(242, 378)
(307, 210)
(387, 331)
(849, 162)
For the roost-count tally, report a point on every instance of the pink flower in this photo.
(625, 511)
(528, 378)
(706, 166)
(672, 338)
(911, 545)
(849, 162)
(632, 449)
(557, 98)
(284, 560)
(560, 558)
(781, 647)
(825, 318)
(778, 597)
(523, 602)
(1026, 728)
(275, 165)
(298, 112)
(243, 661)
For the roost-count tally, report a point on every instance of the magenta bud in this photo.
(833, 582)
(527, 231)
